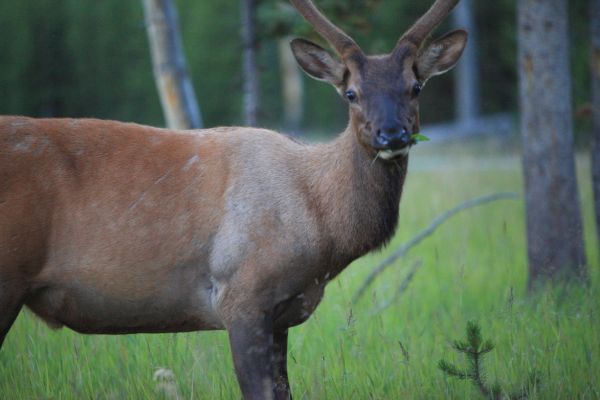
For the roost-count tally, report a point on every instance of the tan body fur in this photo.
(113, 228)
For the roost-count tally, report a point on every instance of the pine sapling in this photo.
(475, 348)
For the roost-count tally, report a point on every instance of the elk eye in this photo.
(351, 96)
(417, 89)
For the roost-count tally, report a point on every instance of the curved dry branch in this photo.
(404, 248)
(401, 289)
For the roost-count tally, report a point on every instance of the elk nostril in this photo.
(382, 137)
(405, 136)
(392, 136)
(389, 132)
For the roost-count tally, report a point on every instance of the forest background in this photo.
(91, 59)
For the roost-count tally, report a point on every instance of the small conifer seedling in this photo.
(475, 348)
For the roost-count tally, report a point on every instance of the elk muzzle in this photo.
(391, 138)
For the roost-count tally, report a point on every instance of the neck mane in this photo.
(356, 198)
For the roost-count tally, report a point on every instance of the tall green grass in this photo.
(473, 267)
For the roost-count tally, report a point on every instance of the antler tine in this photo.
(428, 22)
(343, 44)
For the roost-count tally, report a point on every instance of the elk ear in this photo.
(441, 55)
(317, 62)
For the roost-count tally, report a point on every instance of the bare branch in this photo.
(404, 248)
(402, 288)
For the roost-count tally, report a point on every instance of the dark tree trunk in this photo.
(176, 92)
(554, 228)
(250, 68)
(595, 72)
(467, 72)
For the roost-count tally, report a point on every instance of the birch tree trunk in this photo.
(466, 91)
(175, 89)
(595, 76)
(249, 60)
(554, 227)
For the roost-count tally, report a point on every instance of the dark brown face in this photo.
(382, 91)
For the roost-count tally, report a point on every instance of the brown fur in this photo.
(97, 213)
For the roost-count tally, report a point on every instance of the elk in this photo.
(113, 228)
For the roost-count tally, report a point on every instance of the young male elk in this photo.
(108, 227)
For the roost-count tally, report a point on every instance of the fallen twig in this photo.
(404, 248)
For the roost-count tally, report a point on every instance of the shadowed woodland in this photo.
(68, 58)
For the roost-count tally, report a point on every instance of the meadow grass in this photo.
(473, 268)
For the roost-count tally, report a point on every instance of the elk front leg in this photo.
(282, 384)
(251, 342)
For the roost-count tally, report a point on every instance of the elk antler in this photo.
(343, 44)
(428, 22)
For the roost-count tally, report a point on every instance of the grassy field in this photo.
(473, 268)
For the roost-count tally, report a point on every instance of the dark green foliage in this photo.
(211, 39)
(497, 51)
(475, 348)
(72, 58)
(278, 18)
(86, 58)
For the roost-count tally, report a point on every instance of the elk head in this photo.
(382, 90)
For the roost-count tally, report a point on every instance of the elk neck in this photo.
(355, 197)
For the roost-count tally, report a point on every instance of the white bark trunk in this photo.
(176, 92)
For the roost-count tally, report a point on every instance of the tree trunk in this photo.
(176, 92)
(292, 86)
(466, 90)
(250, 68)
(595, 72)
(554, 227)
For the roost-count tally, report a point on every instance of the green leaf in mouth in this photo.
(417, 137)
